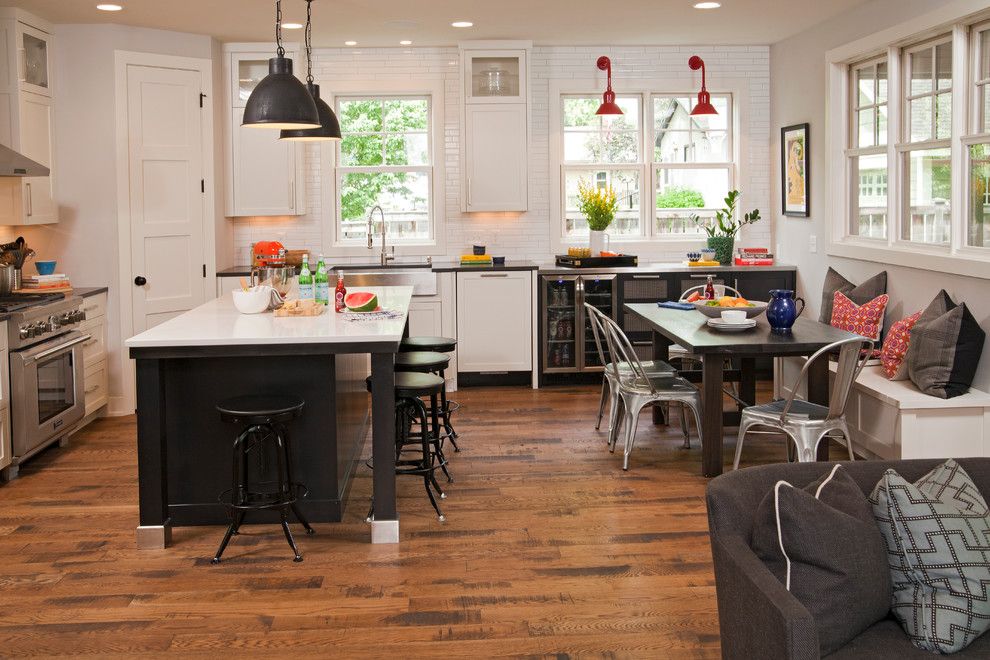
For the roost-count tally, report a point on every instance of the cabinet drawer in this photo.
(95, 348)
(5, 448)
(95, 306)
(96, 387)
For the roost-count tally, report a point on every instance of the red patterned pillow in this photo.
(895, 348)
(864, 320)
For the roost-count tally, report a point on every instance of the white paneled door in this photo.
(166, 182)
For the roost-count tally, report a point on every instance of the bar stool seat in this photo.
(261, 408)
(413, 383)
(422, 361)
(437, 344)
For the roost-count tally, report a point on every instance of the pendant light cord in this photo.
(278, 28)
(309, 41)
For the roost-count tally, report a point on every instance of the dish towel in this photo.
(380, 315)
(670, 304)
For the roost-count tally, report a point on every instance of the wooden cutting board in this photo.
(301, 308)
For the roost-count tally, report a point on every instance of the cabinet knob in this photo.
(140, 280)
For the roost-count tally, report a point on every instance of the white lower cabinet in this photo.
(95, 375)
(6, 452)
(425, 318)
(5, 448)
(227, 284)
(97, 387)
(495, 321)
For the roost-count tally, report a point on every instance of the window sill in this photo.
(964, 263)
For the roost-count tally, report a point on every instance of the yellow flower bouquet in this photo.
(597, 204)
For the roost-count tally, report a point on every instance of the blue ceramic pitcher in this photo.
(782, 310)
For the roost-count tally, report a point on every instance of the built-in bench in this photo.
(893, 419)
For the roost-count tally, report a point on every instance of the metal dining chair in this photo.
(610, 392)
(806, 423)
(638, 389)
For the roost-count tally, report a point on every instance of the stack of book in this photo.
(48, 283)
(753, 257)
(476, 260)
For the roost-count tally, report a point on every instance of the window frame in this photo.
(645, 90)
(852, 149)
(333, 244)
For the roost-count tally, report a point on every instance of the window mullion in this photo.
(895, 133)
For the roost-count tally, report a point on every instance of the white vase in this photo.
(597, 243)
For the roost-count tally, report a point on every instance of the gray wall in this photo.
(797, 95)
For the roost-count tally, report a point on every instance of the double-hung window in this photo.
(867, 149)
(386, 159)
(925, 145)
(978, 147)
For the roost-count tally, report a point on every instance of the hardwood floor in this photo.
(549, 549)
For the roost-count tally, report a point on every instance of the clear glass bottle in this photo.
(321, 284)
(306, 291)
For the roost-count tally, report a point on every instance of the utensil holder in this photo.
(15, 280)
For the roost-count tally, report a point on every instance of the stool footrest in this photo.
(260, 500)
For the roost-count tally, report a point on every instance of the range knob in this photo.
(24, 332)
(53, 323)
(78, 315)
(66, 318)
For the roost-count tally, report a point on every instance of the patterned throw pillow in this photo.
(937, 532)
(864, 320)
(895, 348)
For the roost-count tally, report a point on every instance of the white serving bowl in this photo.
(716, 312)
(253, 301)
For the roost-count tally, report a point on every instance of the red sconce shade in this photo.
(608, 106)
(704, 106)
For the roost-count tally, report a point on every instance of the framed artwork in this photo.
(795, 176)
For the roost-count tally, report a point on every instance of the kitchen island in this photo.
(186, 365)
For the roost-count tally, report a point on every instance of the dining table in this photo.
(689, 330)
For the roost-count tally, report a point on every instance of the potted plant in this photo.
(723, 228)
(599, 206)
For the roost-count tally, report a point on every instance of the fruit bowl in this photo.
(715, 311)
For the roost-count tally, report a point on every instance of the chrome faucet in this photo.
(385, 256)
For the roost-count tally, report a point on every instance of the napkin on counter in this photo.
(670, 304)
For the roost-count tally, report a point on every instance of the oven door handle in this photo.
(59, 349)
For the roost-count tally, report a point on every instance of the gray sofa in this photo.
(758, 617)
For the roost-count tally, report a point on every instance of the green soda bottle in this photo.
(321, 283)
(306, 291)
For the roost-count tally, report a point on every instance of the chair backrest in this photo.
(597, 331)
(853, 355)
(720, 290)
(622, 350)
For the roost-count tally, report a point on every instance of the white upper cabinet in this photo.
(264, 174)
(495, 121)
(34, 59)
(37, 115)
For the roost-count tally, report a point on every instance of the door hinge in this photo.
(201, 97)
(204, 270)
(202, 185)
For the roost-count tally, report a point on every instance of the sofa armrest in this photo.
(758, 617)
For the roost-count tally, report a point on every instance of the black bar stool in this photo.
(435, 345)
(265, 417)
(429, 362)
(417, 453)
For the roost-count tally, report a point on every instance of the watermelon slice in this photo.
(361, 301)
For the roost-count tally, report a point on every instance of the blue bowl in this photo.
(45, 267)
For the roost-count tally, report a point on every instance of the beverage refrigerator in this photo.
(567, 342)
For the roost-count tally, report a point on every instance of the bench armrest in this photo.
(758, 617)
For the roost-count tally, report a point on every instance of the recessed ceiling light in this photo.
(707, 5)
(462, 24)
(405, 42)
(109, 7)
(292, 26)
(350, 43)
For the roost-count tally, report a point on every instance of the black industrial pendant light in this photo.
(329, 128)
(280, 100)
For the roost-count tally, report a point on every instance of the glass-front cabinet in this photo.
(495, 76)
(567, 337)
(35, 59)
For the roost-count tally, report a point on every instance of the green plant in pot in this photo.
(599, 206)
(722, 229)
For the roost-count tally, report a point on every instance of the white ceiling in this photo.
(427, 22)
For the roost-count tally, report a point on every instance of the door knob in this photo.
(140, 280)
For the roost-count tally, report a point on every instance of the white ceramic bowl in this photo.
(252, 301)
(714, 312)
(734, 315)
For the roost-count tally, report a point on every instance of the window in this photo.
(926, 143)
(385, 159)
(655, 145)
(692, 159)
(867, 151)
(978, 179)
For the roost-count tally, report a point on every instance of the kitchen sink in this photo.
(422, 280)
(392, 265)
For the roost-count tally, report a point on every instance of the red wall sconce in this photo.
(608, 106)
(704, 106)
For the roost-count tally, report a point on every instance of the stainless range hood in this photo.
(14, 164)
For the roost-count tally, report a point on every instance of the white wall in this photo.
(527, 235)
(85, 240)
(798, 87)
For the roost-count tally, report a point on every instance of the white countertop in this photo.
(218, 323)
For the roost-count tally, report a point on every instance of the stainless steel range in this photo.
(46, 370)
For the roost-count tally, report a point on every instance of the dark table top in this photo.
(689, 329)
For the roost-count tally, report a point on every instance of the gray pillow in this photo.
(937, 535)
(822, 543)
(945, 348)
(862, 294)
